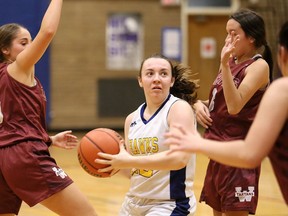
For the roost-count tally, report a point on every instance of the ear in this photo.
(283, 54)
(140, 82)
(5, 51)
(252, 40)
(172, 81)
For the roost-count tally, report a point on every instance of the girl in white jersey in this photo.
(160, 184)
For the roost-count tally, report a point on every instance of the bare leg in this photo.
(216, 213)
(69, 202)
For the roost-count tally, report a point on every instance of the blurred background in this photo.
(90, 71)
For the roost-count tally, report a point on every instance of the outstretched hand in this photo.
(182, 140)
(64, 140)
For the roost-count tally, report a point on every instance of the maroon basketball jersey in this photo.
(22, 111)
(226, 126)
(279, 160)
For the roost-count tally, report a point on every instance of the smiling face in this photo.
(156, 79)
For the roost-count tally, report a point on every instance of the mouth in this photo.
(157, 88)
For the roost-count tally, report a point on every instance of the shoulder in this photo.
(276, 96)
(280, 85)
(181, 112)
(181, 108)
(259, 65)
(129, 118)
(258, 71)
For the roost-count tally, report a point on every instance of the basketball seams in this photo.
(98, 140)
(110, 135)
(83, 157)
(92, 141)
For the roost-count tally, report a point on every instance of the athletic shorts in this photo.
(28, 173)
(230, 189)
(133, 206)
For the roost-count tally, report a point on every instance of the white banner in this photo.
(124, 41)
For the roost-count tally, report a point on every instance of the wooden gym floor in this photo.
(107, 194)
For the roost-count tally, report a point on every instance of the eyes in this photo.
(23, 42)
(151, 73)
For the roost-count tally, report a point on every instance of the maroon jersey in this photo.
(225, 126)
(22, 111)
(279, 160)
(228, 188)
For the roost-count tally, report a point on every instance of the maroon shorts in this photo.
(28, 173)
(230, 189)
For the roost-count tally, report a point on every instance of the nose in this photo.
(156, 77)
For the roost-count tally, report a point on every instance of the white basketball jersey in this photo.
(146, 138)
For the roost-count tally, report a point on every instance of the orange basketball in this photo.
(98, 140)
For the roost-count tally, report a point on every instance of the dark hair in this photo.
(253, 25)
(184, 86)
(283, 35)
(8, 33)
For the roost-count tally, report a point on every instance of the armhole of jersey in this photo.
(166, 122)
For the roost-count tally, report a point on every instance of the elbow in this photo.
(179, 166)
(49, 32)
(251, 161)
(251, 164)
(181, 162)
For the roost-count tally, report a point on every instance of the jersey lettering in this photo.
(244, 196)
(142, 172)
(144, 145)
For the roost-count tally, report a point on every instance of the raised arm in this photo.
(26, 60)
(248, 153)
(257, 77)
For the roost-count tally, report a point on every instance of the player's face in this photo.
(156, 78)
(245, 44)
(20, 42)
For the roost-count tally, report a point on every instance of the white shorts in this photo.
(134, 206)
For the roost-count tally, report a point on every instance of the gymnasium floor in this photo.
(106, 194)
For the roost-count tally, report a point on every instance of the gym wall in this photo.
(82, 88)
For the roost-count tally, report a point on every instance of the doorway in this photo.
(206, 68)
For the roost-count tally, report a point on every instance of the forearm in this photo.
(233, 153)
(159, 161)
(51, 18)
(231, 94)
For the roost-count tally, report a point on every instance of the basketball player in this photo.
(268, 135)
(234, 99)
(160, 184)
(27, 172)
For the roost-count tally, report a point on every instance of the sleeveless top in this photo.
(279, 161)
(145, 138)
(231, 127)
(22, 111)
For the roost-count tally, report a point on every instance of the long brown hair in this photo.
(8, 33)
(184, 86)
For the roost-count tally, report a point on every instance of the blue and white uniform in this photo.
(157, 192)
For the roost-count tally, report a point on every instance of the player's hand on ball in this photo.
(65, 140)
(114, 162)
